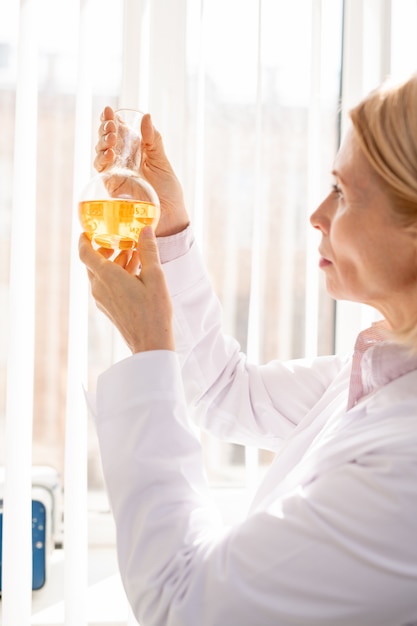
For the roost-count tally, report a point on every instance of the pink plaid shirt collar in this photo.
(376, 361)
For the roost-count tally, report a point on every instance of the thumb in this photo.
(148, 130)
(148, 248)
(152, 143)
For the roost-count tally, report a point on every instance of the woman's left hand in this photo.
(138, 305)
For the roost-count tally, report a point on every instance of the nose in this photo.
(320, 218)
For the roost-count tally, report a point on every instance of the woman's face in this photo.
(367, 254)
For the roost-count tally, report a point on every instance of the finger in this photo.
(107, 253)
(153, 147)
(148, 248)
(91, 259)
(107, 114)
(106, 141)
(108, 126)
(133, 265)
(147, 130)
(152, 138)
(104, 159)
(123, 258)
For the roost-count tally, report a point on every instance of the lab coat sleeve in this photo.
(235, 399)
(328, 553)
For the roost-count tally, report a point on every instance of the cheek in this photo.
(400, 262)
(350, 245)
(355, 237)
(354, 261)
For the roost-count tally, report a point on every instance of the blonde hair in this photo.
(385, 123)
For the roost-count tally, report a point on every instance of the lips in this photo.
(324, 261)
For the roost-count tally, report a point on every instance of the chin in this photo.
(340, 294)
(333, 291)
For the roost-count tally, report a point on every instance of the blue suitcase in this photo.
(38, 544)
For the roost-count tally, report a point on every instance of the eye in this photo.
(337, 190)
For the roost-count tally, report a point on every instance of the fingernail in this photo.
(147, 231)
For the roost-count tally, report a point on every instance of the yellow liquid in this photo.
(116, 223)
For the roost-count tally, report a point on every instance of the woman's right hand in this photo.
(155, 168)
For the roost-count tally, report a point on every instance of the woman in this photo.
(331, 536)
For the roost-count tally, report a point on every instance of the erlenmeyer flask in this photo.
(116, 204)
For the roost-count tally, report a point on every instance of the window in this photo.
(247, 95)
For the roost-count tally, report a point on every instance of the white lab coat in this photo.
(331, 538)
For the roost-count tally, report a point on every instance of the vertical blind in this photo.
(17, 513)
(246, 94)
